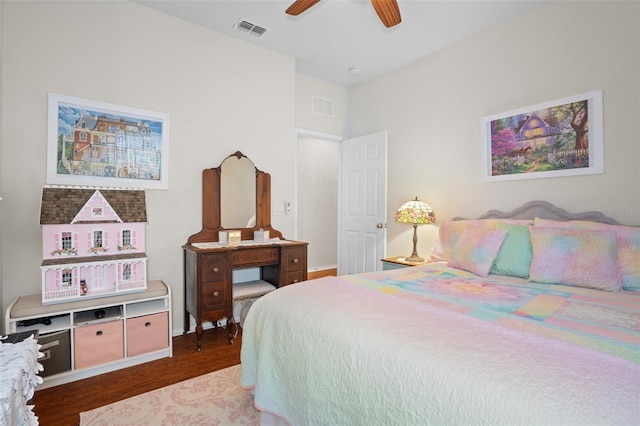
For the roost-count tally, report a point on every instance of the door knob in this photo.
(381, 225)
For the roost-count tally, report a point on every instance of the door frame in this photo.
(300, 132)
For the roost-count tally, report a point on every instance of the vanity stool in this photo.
(246, 293)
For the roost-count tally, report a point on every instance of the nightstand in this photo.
(397, 263)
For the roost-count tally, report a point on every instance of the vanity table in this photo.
(235, 196)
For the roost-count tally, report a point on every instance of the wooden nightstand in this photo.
(397, 263)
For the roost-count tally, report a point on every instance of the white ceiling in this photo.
(336, 35)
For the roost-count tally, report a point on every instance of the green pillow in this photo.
(514, 257)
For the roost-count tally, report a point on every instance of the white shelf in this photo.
(57, 324)
(156, 299)
(145, 308)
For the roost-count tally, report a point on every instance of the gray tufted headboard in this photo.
(545, 210)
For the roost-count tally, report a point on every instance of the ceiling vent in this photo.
(250, 28)
(321, 106)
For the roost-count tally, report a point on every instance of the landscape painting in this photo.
(558, 138)
(92, 143)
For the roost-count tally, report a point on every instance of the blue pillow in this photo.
(514, 257)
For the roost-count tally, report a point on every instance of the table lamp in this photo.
(415, 212)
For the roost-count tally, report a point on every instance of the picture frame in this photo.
(93, 143)
(563, 137)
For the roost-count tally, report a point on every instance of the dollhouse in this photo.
(93, 242)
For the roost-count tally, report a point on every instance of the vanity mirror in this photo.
(235, 195)
(237, 192)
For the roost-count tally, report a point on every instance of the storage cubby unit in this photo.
(84, 338)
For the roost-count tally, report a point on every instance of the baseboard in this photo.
(329, 272)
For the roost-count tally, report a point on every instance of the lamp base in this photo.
(414, 258)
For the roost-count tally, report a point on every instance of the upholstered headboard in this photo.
(545, 210)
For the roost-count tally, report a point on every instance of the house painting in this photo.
(93, 242)
(536, 133)
(110, 147)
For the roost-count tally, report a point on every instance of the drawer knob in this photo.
(215, 293)
(99, 333)
(215, 269)
(295, 260)
(147, 324)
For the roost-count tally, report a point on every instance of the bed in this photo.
(523, 317)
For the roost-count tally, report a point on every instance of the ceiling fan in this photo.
(387, 10)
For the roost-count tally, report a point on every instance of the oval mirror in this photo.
(237, 192)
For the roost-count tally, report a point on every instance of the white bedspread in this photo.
(358, 359)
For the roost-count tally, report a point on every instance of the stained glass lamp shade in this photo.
(415, 212)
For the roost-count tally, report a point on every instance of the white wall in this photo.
(126, 54)
(306, 87)
(432, 110)
(317, 166)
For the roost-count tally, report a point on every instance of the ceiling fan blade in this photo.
(388, 11)
(299, 6)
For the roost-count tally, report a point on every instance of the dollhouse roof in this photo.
(92, 259)
(60, 205)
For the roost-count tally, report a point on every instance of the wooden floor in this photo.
(61, 405)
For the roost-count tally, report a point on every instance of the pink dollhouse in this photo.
(93, 242)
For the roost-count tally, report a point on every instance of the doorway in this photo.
(317, 187)
(327, 198)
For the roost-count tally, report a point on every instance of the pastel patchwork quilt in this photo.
(604, 321)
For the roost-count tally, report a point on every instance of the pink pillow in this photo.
(451, 230)
(581, 258)
(476, 250)
(627, 242)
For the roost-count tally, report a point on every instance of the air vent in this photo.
(321, 106)
(249, 27)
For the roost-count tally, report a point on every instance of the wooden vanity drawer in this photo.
(213, 268)
(293, 259)
(293, 277)
(214, 295)
(259, 256)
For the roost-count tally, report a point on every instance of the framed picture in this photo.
(557, 138)
(93, 143)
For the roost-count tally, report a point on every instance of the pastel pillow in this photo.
(581, 258)
(476, 250)
(450, 231)
(514, 257)
(627, 241)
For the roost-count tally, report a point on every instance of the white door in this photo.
(363, 203)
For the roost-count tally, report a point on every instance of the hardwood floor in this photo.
(61, 405)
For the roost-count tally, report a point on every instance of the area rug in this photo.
(211, 399)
